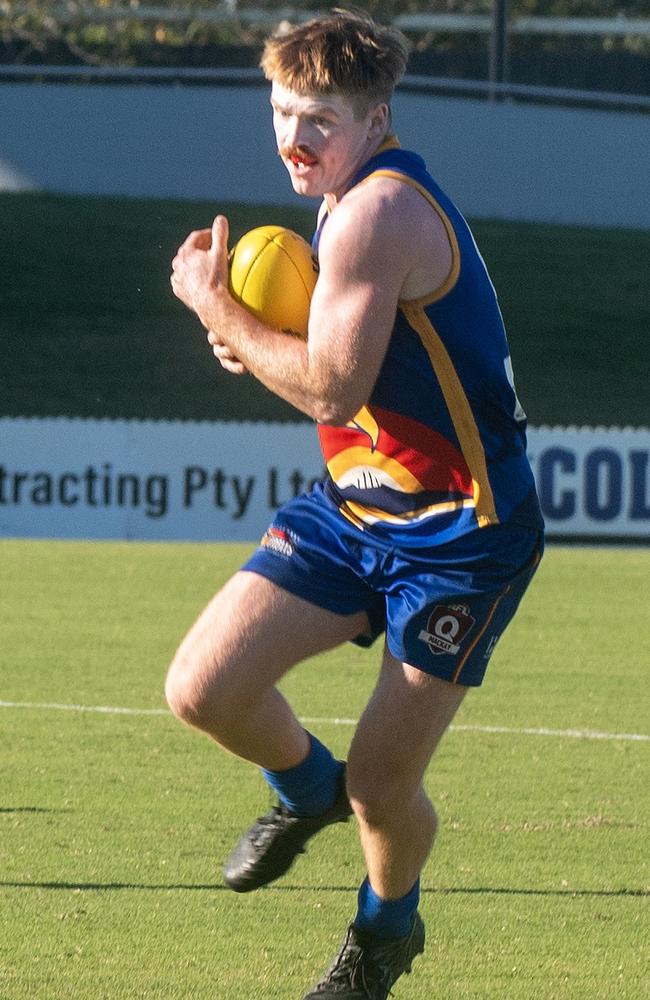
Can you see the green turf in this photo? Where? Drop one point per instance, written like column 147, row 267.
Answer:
column 90, row 328
column 113, row 825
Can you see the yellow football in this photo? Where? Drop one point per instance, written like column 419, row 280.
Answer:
column 273, row 273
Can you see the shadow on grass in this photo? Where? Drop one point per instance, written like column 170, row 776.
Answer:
column 449, row 891
column 30, row 809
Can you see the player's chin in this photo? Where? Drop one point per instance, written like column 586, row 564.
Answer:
column 231, row 365
column 309, row 190
column 305, row 181
column 300, row 187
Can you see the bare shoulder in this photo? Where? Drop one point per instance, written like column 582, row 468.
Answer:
column 390, row 224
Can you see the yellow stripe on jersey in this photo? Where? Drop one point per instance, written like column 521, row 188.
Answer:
column 371, row 515
column 452, row 277
column 365, row 421
column 357, row 460
column 459, row 410
column 455, row 398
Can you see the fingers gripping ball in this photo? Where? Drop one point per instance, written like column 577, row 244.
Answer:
column 273, row 273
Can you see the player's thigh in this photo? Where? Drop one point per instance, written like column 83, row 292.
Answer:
column 253, row 631
column 405, row 719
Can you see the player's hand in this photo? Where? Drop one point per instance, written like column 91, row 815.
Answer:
column 201, row 265
column 225, row 356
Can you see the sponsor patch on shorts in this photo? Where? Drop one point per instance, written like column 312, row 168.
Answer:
column 447, row 628
column 279, row 541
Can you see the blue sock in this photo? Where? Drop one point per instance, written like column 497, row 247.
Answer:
column 386, row 918
column 310, row 788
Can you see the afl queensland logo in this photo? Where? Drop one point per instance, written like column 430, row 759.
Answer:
column 447, row 627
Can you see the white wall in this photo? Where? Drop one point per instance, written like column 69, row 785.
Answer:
column 72, row 478
column 510, row 161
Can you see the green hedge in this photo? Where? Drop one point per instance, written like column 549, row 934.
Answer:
column 37, row 32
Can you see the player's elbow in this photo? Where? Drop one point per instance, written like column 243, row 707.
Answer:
column 338, row 387
column 336, row 399
column 333, row 411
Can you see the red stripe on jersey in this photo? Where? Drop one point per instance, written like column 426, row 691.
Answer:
column 427, row 455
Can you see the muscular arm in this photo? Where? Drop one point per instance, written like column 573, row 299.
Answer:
column 368, row 255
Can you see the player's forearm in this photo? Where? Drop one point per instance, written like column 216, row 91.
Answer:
column 283, row 363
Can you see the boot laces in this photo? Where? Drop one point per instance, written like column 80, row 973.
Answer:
column 352, row 967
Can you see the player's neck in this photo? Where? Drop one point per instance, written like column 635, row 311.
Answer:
column 388, row 141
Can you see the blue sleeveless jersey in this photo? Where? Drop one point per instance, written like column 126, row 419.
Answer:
column 440, row 448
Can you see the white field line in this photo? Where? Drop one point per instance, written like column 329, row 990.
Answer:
column 580, row 734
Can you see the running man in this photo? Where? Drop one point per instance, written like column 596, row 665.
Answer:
column 427, row 526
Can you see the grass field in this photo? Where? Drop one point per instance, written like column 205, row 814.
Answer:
column 90, row 327
column 114, row 823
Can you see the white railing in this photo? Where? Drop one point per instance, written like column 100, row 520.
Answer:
column 224, row 13
column 483, row 23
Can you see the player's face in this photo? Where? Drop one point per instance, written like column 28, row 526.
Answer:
column 321, row 142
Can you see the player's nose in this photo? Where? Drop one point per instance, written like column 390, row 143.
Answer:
column 295, row 131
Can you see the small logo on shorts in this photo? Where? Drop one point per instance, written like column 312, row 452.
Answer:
column 279, row 541
column 490, row 646
column 448, row 626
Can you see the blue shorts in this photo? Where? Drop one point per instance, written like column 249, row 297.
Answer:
column 443, row 608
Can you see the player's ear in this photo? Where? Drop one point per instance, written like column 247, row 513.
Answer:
column 378, row 120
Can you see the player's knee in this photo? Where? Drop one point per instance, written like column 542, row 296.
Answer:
column 200, row 691
column 380, row 800
column 371, row 797
column 188, row 695
column 181, row 695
